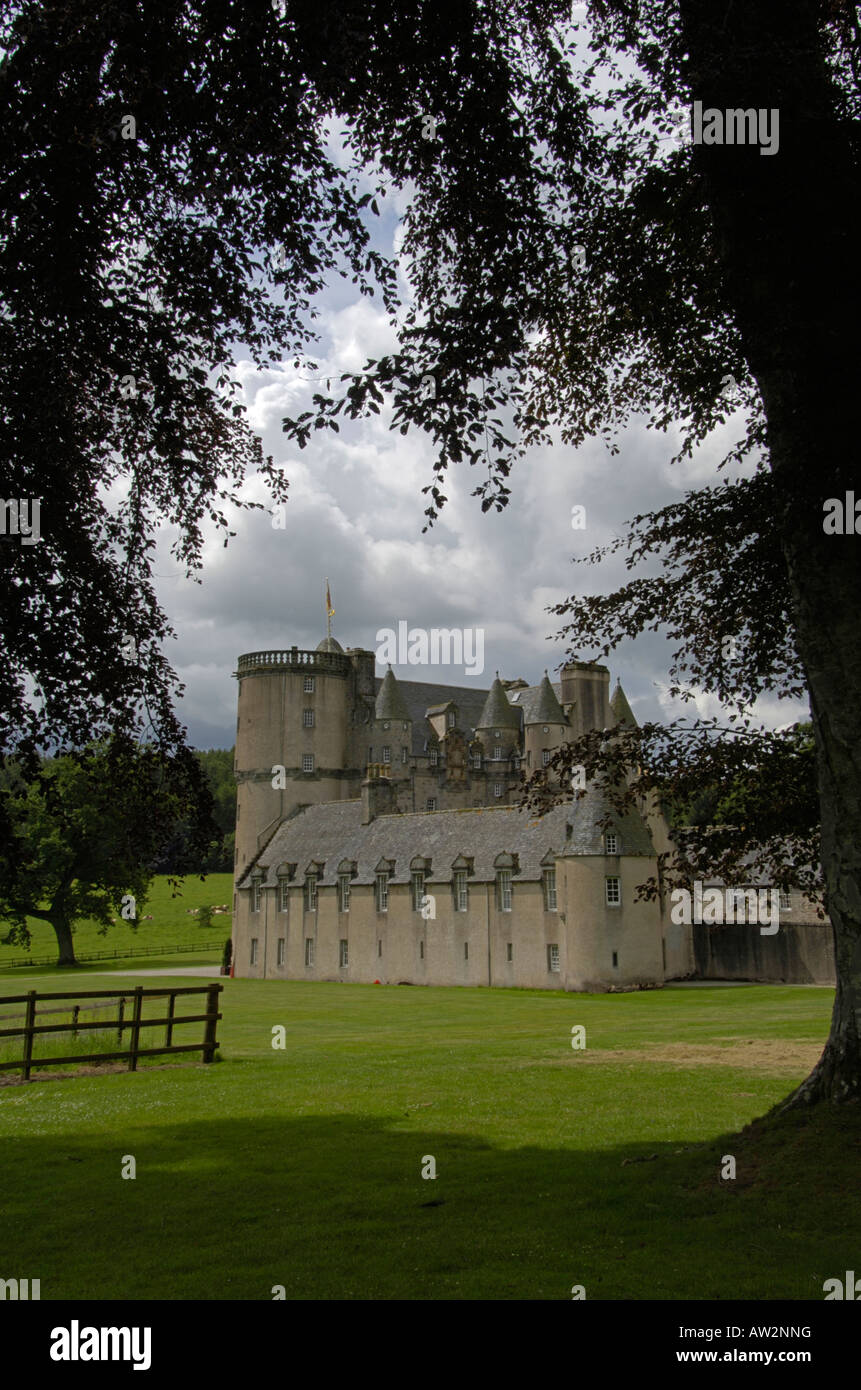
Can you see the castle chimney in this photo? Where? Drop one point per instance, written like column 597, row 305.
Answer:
column 586, row 688
column 376, row 793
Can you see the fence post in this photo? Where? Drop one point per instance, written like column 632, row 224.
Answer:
column 120, row 1016
column 170, row 1012
column 76, row 1013
column 29, row 1024
column 209, row 1039
column 136, row 1029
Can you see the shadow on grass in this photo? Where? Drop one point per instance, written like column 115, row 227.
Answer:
column 335, row 1207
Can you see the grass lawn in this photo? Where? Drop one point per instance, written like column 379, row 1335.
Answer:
column 171, row 924
column 555, row 1167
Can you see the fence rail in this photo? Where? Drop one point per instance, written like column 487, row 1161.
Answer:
column 137, row 1022
column 217, row 944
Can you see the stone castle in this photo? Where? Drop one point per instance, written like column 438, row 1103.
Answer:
column 378, row 837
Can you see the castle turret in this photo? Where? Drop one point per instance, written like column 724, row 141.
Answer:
column 545, row 726
column 621, row 709
column 391, row 740
column 498, row 728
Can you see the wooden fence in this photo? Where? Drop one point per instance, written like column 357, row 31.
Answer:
column 132, row 1026
column 193, row 948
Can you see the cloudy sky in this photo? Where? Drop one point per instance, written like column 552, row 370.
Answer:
column 356, row 513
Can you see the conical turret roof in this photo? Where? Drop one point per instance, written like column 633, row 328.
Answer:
column 620, row 707
column 547, row 709
column 497, row 712
column 390, row 702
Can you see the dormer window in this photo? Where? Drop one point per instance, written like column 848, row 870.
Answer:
column 611, row 841
column 451, row 718
column 433, row 755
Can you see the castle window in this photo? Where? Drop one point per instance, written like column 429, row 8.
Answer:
column 343, row 954
column 476, row 761
column 466, row 950
column 256, row 894
column 404, row 754
column 282, row 945
column 430, row 804
column 387, row 753
column 545, row 757
column 309, row 685
column 615, row 960
column 308, row 718
column 548, row 878
column 785, row 902
column 461, row 891
column 309, row 951
column 613, row 891
column 497, row 734
column 433, row 755
column 503, row 889
column 283, row 895
column 310, row 892
column 612, row 843
column 370, row 754
column 497, row 789
column 546, row 729
column 379, row 948
column 343, row 893
column 451, row 718
column 382, row 892
column 509, row 950
column 498, row 753
column 421, row 950
column 418, row 887
column 307, row 762
column 553, row 958
column 253, row 959
column 387, row 725
column 406, row 726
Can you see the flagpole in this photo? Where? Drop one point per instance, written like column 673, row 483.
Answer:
column 328, row 614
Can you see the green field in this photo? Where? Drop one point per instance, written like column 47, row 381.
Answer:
column 171, row 925
column 555, row 1167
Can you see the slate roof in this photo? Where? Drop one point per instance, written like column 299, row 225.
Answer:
column 390, row 702
column 497, row 712
column 420, row 696
column 423, row 697
column 546, row 709
column 620, row 707
column 334, row 831
column 528, row 700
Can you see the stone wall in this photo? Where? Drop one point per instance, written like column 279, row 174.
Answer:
column 798, row 954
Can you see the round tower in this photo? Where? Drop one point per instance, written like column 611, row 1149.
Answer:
column 498, row 728
column 545, row 727
column 291, row 737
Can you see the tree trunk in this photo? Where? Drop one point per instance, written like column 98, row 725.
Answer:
column 786, row 246
column 63, row 932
